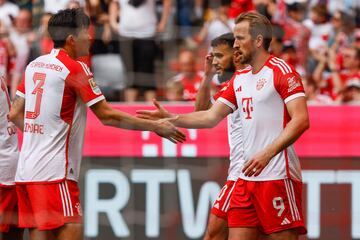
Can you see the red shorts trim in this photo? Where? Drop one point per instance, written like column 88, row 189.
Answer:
column 49, row 206
column 222, row 203
column 272, row 206
column 8, row 208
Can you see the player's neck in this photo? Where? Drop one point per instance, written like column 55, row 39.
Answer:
column 259, row 60
column 69, row 51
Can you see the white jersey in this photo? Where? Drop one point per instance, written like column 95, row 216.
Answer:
column 261, row 99
column 8, row 139
column 235, row 138
column 57, row 90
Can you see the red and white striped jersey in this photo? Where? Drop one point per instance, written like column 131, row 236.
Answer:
column 260, row 98
column 8, row 139
column 57, row 90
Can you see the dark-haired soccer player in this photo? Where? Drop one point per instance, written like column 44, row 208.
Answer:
column 271, row 103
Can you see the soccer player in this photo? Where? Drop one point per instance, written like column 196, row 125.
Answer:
column 272, row 106
column 8, row 161
column 53, row 95
column 222, row 59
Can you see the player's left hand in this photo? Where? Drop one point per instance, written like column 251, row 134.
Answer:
column 256, row 164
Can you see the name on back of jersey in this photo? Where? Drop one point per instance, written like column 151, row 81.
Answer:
column 50, row 66
column 34, row 128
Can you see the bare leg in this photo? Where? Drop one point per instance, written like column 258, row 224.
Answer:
column 217, row 229
column 243, row 233
column 13, row 234
column 70, row 231
column 36, row 234
column 290, row 234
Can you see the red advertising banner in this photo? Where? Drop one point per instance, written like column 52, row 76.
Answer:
column 334, row 131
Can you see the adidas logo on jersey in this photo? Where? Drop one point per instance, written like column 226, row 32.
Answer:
column 285, row 221
column 239, row 89
column 217, row 206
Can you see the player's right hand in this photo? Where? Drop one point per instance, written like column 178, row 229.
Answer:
column 208, row 67
column 167, row 130
column 156, row 114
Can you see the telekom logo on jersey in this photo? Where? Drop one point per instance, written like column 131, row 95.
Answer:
column 248, row 107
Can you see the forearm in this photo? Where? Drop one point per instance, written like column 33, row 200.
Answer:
column 113, row 15
column 16, row 114
column 166, row 11
column 288, row 136
column 203, row 96
column 19, row 121
column 318, row 72
column 126, row 121
column 204, row 119
column 196, row 120
column 336, row 81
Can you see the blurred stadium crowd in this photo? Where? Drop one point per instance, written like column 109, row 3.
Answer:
column 142, row 49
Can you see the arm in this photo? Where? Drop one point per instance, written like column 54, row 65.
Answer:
column 114, row 10
column 202, row 101
column 200, row 119
column 165, row 15
column 111, row 117
column 299, row 122
column 16, row 114
column 203, row 119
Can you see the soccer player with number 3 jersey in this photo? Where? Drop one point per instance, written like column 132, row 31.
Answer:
column 270, row 99
column 50, row 108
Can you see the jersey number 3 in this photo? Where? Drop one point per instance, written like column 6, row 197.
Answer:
column 38, row 91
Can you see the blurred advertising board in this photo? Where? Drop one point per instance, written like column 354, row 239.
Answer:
column 136, row 185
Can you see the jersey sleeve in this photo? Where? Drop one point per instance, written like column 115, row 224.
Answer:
column 81, row 80
column 289, row 86
column 21, row 88
column 227, row 95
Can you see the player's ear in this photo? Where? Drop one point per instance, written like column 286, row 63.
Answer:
column 259, row 41
column 70, row 40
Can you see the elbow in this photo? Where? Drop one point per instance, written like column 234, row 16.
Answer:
column 212, row 122
column 105, row 120
column 305, row 125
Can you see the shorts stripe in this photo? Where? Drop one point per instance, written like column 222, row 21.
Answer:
column 62, row 200
column 227, row 201
column 292, row 193
column 66, row 200
column 68, row 194
column 289, row 198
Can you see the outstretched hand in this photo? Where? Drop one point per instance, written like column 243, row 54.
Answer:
column 156, row 114
column 169, row 131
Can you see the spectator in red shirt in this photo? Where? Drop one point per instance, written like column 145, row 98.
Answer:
column 188, row 75
column 338, row 79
